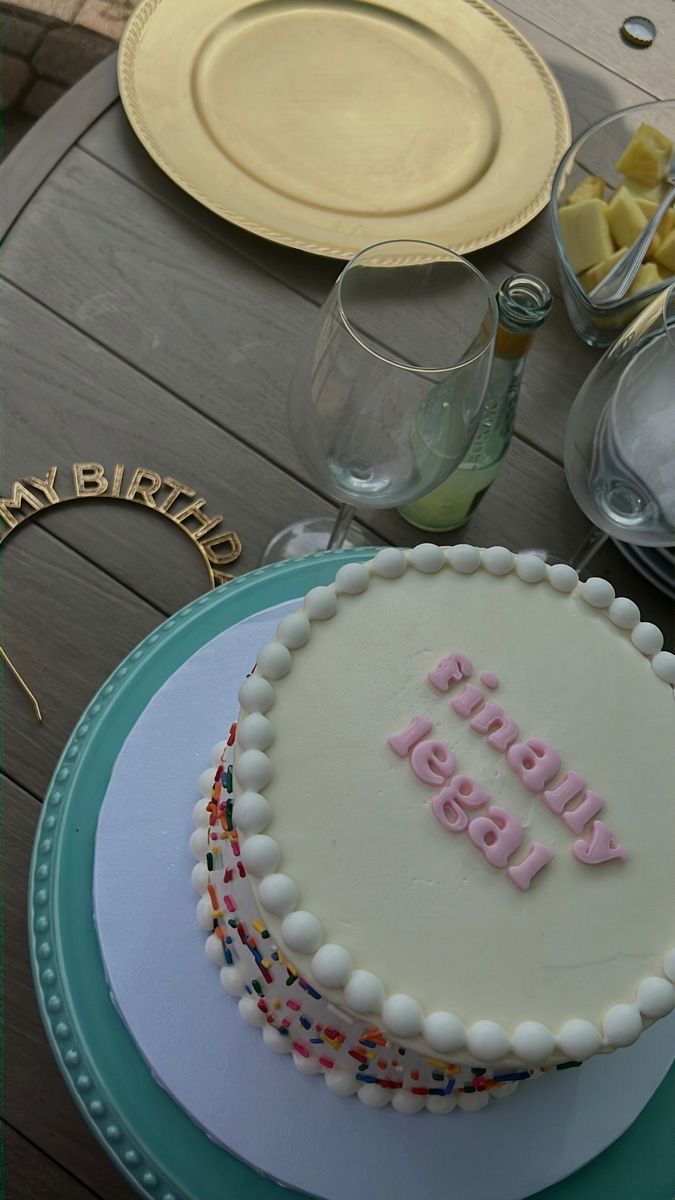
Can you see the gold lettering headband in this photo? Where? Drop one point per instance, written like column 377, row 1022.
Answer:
column 34, row 494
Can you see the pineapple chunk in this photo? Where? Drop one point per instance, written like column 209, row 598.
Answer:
column 667, row 221
column 649, row 207
column 665, row 272
column 643, row 191
column 665, row 254
column 585, row 233
column 590, row 188
column 626, row 218
column 592, row 277
column 647, row 155
column 648, row 276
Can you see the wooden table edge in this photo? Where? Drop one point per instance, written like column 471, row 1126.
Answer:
column 34, row 158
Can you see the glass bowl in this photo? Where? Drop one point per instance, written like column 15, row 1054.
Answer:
column 595, row 152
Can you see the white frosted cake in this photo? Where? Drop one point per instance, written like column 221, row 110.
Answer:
column 437, row 855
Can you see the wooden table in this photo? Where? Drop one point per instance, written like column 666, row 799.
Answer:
column 139, row 328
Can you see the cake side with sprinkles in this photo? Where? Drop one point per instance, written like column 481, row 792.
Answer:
column 354, row 1056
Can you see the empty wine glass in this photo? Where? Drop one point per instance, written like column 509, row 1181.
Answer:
column 620, row 438
column 389, row 385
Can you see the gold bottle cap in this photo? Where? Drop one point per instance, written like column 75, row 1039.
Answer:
column 638, row 31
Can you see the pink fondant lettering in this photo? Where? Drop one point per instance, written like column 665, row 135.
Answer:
column 492, row 719
column 402, row 743
column 489, row 679
column 450, row 670
column 498, row 835
column 590, row 806
column 535, row 860
column 534, row 763
column 572, row 785
column 449, row 805
column 432, row 762
column 467, row 792
column 448, row 812
column 469, row 698
column 601, row 846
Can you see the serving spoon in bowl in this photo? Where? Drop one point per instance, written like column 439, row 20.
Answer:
column 617, row 281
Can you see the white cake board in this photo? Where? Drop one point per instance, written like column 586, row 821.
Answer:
column 256, row 1103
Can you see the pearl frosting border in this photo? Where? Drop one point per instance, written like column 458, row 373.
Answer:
column 532, row 1042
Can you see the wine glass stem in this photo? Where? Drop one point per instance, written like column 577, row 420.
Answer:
column 583, row 554
column 344, row 519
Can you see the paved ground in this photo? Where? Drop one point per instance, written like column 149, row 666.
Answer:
column 47, row 45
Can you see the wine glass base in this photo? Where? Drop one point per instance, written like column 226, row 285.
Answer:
column 309, row 537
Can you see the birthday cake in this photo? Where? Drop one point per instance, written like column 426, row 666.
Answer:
column 435, row 857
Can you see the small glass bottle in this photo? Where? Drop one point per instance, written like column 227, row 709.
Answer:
column 524, row 302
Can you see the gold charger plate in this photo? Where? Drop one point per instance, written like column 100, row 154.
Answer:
column 332, row 124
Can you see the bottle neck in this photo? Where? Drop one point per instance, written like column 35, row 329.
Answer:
column 523, row 302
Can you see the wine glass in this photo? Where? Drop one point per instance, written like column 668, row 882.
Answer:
column 620, row 437
column 389, row 385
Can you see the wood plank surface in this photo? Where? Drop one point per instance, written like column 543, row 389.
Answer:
column 32, row 1174
column 103, row 410
column 220, row 332
column 559, row 360
column 41, row 148
column 592, row 91
column 189, row 311
column 66, row 626
column 113, row 142
column 557, row 364
column 42, row 1116
column 202, row 347
column 593, row 29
